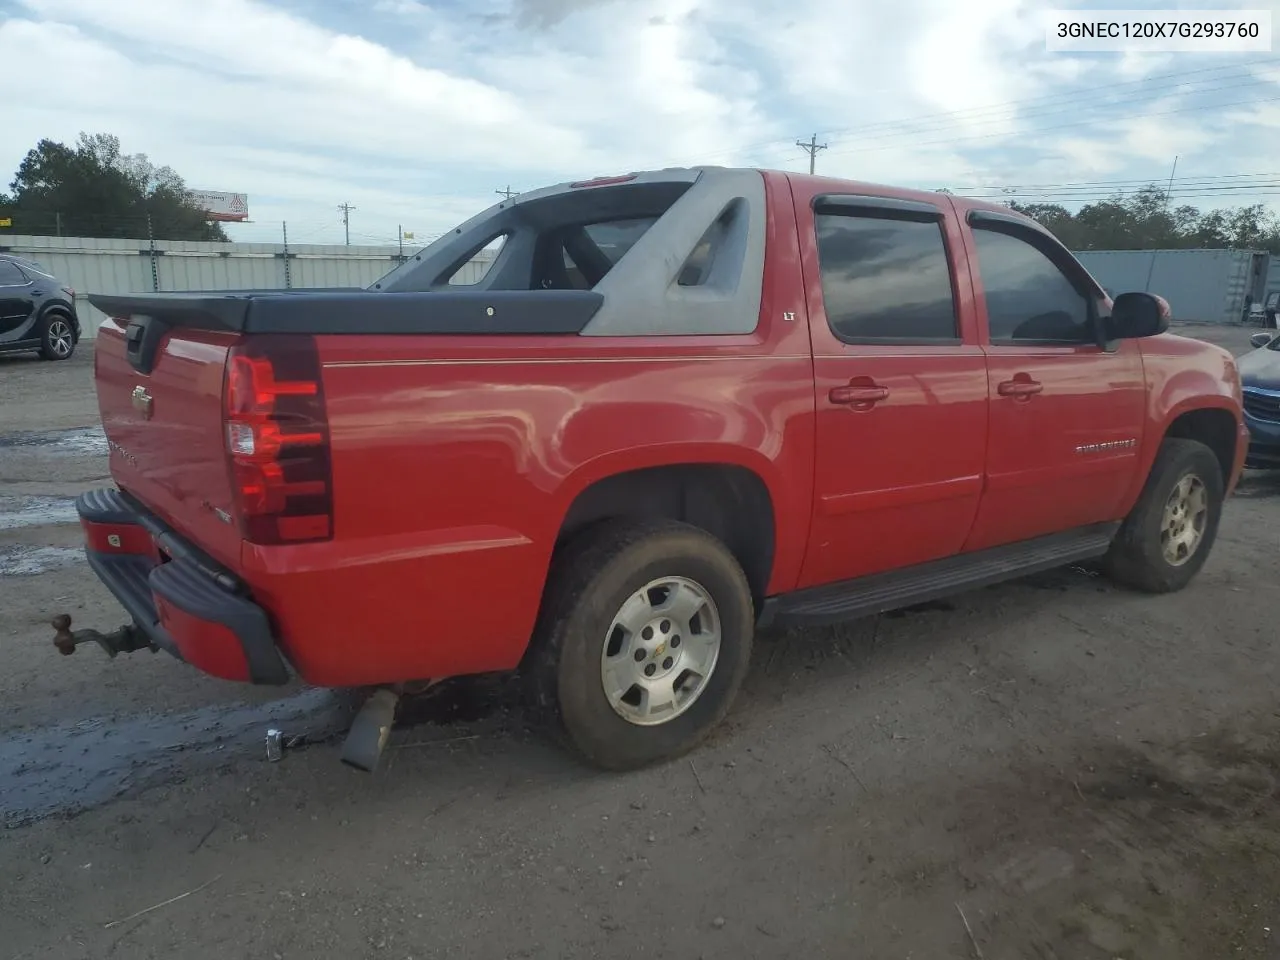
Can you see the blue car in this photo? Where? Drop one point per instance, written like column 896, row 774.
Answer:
column 1260, row 377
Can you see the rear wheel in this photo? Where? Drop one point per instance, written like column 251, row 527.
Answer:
column 1166, row 539
column 644, row 639
column 57, row 339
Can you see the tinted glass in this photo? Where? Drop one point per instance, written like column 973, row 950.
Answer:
column 10, row 274
column 1028, row 297
column 885, row 279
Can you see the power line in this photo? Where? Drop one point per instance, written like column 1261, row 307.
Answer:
column 1072, row 99
column 992, row 193
column 1060, row 126
column 811, row 148
column 894, row 138
column 1140, row 181
column 1073, row 109
column 346, row 209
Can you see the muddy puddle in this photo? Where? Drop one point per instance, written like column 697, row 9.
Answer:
column 81, row 441
column 16, row 512
column 29, row 561
column 68, row 768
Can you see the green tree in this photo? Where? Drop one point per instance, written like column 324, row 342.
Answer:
column 1143, row 221
column 1056, row 218
column 95, row 190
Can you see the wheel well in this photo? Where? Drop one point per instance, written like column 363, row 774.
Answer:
column 1216, row 429
column 729, row 502
column 60, row 310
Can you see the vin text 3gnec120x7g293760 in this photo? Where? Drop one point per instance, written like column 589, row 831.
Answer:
column 676, row 407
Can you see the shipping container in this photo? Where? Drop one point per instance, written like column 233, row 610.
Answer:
column 1202, row 286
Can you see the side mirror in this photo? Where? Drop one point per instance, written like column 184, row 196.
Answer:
column 1260, row 340
column 1135, row 315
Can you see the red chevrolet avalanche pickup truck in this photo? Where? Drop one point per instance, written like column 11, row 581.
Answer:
column 676, row 407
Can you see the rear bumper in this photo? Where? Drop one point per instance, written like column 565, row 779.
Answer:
column 183, row 602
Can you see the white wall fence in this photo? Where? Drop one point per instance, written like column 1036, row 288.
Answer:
column 133, row 266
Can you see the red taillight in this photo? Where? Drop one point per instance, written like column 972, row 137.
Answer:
column 277, row 437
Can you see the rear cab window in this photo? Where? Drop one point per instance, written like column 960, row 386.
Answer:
column 568, row 240
column 674, row 252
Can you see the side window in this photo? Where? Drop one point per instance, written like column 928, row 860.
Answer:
column 885, row 279
column 10, row 275
column 1028, row 298
column 475, row 269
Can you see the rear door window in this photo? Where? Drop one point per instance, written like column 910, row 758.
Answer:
column 885, row 279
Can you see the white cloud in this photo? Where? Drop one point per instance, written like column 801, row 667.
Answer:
column 415, row 111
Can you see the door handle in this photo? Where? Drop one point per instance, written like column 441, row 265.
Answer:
column 859, row 394
column 1020, row 388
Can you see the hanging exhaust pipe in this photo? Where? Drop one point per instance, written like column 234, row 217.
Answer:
column 370, row 730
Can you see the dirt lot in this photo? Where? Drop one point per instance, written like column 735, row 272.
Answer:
column 1081, row 771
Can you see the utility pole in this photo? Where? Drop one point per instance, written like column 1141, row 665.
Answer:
column 1151, row 268
column 508, row 192
column 346, row 209
column 288, row 277
column 811, row 148
column 400, row 241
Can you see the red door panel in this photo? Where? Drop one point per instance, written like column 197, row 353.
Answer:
column 900, row 382
column 1066, row 415
column 898, row 481
column 1064, row 456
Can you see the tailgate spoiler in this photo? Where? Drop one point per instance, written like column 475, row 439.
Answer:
column 348, row 310
column 225, row 311
column 199, row 310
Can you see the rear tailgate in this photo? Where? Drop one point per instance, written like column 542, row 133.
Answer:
column 160, row 366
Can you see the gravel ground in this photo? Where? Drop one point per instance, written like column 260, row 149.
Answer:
column 1065, row 769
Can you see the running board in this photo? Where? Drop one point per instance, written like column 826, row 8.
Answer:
column 882, row 592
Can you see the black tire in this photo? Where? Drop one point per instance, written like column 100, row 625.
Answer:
column 1137, row 558
column 590, row 580
column 57, row 337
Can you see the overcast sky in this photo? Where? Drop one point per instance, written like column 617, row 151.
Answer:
column 415, row 111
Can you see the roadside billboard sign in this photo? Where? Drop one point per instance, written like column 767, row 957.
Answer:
column 225, row 207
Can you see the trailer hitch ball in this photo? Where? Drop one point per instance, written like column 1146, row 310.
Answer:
column 62, row 637
column 125, row 639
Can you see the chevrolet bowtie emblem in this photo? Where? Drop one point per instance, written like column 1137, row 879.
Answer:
column 142, row 401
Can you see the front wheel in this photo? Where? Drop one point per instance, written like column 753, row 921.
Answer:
column 57, row 339
column 644, row 639
column 1166, row 539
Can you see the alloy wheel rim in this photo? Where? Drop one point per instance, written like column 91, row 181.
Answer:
column 60, row 338
column 1182, row 525
column 660, row 651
